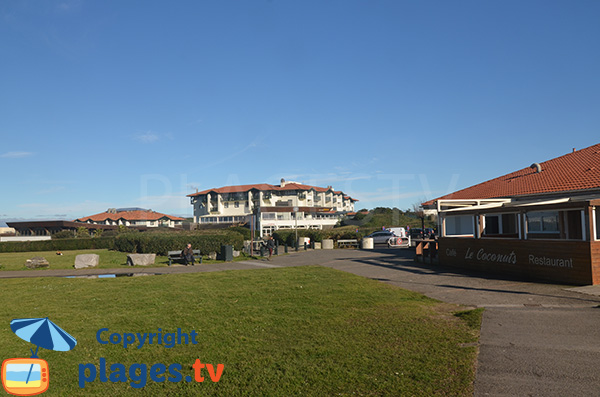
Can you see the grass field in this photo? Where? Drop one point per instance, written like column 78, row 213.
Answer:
column 277, row 332
column 108, row 259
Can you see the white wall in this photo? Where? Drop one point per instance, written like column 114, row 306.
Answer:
column 25, row 238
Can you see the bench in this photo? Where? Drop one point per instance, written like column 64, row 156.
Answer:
column 176, row 256
column 352, row 243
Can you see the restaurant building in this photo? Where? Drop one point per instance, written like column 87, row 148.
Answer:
column 541, row 222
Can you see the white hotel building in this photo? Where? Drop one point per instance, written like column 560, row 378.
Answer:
column 286, row 206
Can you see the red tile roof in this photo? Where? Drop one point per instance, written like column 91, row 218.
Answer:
column 137, row 215
column 267, row 187
column 576, row 171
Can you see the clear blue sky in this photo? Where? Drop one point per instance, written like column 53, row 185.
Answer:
column 122, row 103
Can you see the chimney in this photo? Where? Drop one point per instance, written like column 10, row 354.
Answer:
column 537, row 167
column 282, row 182
column 574, row 150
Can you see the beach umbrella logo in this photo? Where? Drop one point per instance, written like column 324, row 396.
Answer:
column 29, row 376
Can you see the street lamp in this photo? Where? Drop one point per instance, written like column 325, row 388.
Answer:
column 296, row 219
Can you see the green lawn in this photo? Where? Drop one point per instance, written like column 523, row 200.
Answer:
column 108, row 259
column 277, row 332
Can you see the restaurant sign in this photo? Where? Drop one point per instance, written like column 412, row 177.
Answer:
column 499, row 256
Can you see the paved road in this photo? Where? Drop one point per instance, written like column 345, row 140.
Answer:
column 536, row 339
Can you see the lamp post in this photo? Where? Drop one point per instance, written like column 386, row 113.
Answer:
column 296, row 219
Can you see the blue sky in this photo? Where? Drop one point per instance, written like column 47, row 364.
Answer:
column 122, row 103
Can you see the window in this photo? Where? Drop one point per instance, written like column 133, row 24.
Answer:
column 492, row 225
column 268, row 215
column 573, row 229
column 461, row 225
column 226, row 205
column 542, row 222
column 596, row 214
column 500, row 225
column 236, row 204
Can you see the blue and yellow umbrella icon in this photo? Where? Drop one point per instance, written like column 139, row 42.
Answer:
column 42, row 332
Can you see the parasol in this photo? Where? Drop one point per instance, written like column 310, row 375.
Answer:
column 42, row 332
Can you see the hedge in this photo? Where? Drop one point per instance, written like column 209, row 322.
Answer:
column 161, row 243
column 58, row 245
column 288, row 236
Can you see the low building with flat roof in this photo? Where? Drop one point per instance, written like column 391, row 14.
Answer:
column 134, row 218
column 540, row 222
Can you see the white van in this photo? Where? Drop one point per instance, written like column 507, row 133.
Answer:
column 398, row 231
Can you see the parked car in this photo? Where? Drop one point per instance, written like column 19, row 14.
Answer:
column 381, row 237
column 429, row 233
column 415, row 233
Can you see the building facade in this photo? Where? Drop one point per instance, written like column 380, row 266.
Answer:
column 289, row 205
column 43, row 230
column 541, row 222
column 133, row 217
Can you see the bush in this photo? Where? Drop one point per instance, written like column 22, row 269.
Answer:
column 58, row 245
column 62, row 234
column 83, row 232
column 244, row 231
column 288, row 236
column 161, row 243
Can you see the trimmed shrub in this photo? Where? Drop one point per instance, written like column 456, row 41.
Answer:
column 58, row 245
column 161, row 243
column 288, row 236
column 244, row 231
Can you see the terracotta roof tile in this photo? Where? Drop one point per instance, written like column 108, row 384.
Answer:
column 138, row 215
column 579, row 170
column 265, row 187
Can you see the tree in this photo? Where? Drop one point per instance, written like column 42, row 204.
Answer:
column 420, row 213
column 83, row 232
column 63, row 234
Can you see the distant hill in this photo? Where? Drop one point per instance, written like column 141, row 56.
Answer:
column 387, row 217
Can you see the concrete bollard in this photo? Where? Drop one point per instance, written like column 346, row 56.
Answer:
column 327, row 244
column 367, row 243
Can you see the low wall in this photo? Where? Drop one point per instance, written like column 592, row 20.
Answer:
column 25, row 238
column 568, row 262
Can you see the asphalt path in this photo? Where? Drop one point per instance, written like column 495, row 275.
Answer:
column 537, row 339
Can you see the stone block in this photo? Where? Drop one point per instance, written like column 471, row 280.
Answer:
column 37, row 262
column 141, row 259
column 327, row 244
column 86, row 260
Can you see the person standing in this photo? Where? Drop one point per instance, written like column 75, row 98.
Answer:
column 270, row 246
column 188, row 255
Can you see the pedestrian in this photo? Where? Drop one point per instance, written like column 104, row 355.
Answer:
column 188, row 255
column 270, row 246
